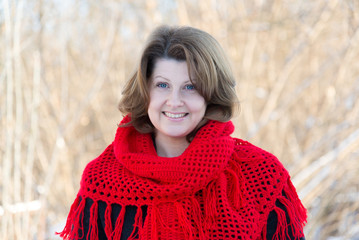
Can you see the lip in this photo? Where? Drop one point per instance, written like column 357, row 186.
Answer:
column 175, row 116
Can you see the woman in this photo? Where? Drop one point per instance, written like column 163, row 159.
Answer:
column 173, row 170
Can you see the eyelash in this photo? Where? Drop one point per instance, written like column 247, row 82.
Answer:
column 192, row 87
column 162, row 85
column 165, row 85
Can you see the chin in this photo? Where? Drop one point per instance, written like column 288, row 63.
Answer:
column 174, row 134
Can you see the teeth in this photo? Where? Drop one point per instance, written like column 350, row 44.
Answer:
column 172, row 115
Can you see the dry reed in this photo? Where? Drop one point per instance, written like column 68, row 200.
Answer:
column 63, row 64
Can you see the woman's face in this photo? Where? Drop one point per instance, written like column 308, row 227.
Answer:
column 175, row 107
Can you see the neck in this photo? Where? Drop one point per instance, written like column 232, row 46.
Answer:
column 170, row 147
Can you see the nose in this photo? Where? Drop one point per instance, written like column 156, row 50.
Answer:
column 174, row 99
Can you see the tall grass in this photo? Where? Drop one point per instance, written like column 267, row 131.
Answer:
column 63, row 64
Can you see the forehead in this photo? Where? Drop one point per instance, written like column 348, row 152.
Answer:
column 171, row 69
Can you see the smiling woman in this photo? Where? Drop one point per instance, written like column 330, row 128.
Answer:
column 207, row 67
column 175, row 108
column 173, row 170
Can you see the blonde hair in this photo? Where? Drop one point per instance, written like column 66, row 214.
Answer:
column 205, row 59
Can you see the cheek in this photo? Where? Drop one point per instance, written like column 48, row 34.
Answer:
column 154, row 101
column 198, row 105
column 152, row 108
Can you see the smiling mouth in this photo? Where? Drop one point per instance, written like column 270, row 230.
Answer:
column 175, row 115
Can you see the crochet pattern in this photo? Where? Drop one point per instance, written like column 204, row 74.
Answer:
column 219, row 188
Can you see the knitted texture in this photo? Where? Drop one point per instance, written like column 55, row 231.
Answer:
column 219, row 188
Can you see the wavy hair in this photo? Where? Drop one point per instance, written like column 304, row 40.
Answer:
column 205, row 58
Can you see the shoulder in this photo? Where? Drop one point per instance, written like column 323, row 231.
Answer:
column 266, row 181
column 250, row 155
column 102, row 160
column 263, row 173
column 99, row 167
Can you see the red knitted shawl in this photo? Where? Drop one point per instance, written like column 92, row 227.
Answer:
column 219, row 188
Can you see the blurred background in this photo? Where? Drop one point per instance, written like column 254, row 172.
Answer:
column 63, row 64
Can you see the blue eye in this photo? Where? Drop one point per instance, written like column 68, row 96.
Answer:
column 190, row 87
column 162, row 85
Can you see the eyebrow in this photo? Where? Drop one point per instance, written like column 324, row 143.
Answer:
column 189, row 80
column 159, row 76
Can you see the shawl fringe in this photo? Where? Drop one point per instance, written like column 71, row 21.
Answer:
column 210, row 206
column 185, row 225
column 74, row 222
column 119, row 224
column 296, row 216
column 137, row 225
column 296, row 213
column 108, row 227
column 155, row 216
column 74, row 228
column 93, row 228
column 235, row 184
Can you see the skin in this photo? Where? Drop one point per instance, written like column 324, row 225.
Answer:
column 175, row 107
